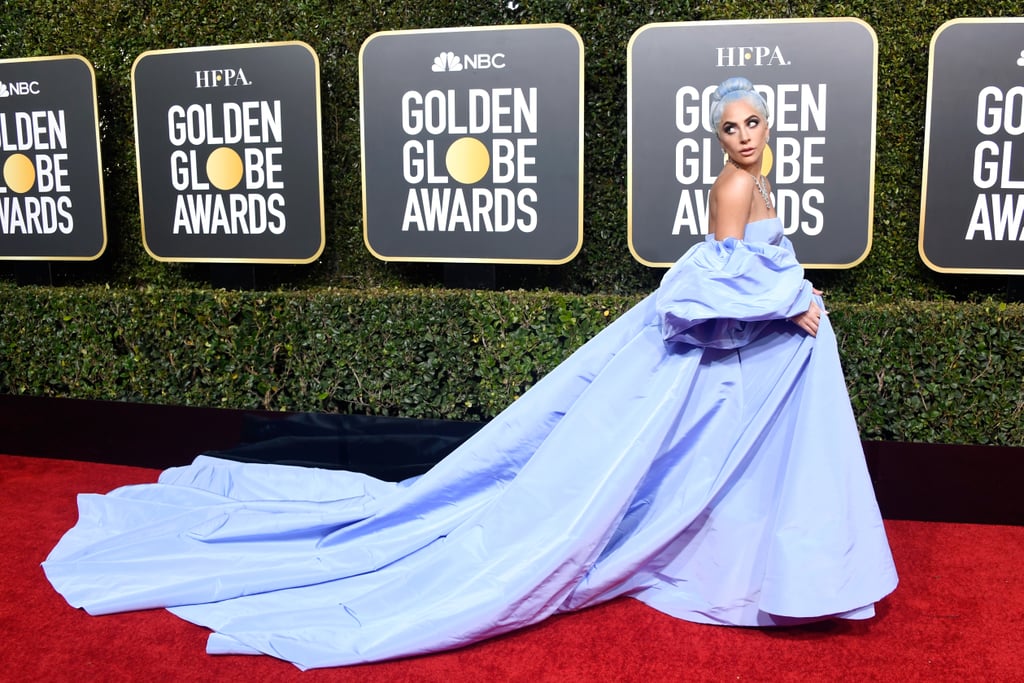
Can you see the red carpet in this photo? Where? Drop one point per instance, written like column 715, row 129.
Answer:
column 958, row 615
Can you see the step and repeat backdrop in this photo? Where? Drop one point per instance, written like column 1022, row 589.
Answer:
column 473, row 145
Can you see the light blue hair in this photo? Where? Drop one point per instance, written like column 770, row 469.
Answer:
column 733, row 90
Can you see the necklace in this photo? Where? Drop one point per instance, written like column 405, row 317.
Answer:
column 760, row 181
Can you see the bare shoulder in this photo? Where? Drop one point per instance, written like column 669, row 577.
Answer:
column 731, row 197
column 733, row 186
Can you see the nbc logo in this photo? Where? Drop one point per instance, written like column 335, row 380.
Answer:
column 19, row 88
column 447, row 61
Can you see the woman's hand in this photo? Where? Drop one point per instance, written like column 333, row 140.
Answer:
column 809, row 320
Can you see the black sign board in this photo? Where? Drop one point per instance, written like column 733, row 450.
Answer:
column 818, row 78
column 51, row 190
column 473, row 144
column 229, row 153
column 972, row 194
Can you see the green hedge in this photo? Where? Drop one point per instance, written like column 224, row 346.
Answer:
column 936, row 372
column 419, row 353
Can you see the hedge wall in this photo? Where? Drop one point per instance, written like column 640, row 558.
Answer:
column 937, row 372
column 929, row 357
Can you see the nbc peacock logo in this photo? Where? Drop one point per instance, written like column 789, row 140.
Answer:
column 446, row 61
column 12, row 88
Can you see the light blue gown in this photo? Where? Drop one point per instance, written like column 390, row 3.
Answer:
column 699, row 454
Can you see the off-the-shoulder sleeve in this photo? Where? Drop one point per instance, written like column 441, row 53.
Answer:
column 722, row 293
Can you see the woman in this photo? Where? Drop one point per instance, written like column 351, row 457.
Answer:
column 699, row 455
column 740, row 118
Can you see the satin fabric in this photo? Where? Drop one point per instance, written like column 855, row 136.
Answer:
column 699, row 454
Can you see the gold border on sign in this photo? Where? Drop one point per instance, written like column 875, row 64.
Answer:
column 927, row 147
column 811, row 20
column 99, row 160
column 362, row 146
column 319, row 151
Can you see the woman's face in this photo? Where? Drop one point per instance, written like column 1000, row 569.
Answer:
column 743, row 132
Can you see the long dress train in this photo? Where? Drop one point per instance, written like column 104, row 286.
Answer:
column 699, row 454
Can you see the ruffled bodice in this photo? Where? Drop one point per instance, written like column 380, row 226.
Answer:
column 720, row 293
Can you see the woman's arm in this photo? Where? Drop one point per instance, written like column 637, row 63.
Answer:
column 811, row 318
